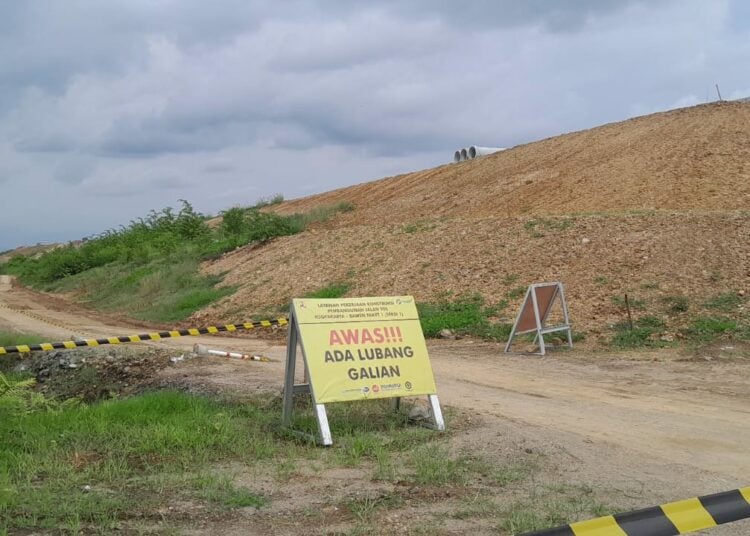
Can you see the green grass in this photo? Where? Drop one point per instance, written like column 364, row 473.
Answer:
column 8, row 338
column 536, row 227
column 134, row 456
column 641, row 336
column 150, row 268
column 517, row 292
column 275, row 199
column 331, row 291
column 116, row 461
column 707, row 329
column 550, row 506
column 160, row 291
column 726, row 302
column 467, row 315
column 419, row 226
column 434, row 466
column 636, row 304
column 323, row 214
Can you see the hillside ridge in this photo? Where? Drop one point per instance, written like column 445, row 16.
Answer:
column 654, row 206
column 686, row 159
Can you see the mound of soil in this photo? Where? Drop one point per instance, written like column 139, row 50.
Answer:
column 655, row 207
column 690, row 159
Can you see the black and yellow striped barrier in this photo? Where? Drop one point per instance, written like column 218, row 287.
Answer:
column 49, row 346
column 681, row 517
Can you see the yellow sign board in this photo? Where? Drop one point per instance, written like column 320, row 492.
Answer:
column 363, row 348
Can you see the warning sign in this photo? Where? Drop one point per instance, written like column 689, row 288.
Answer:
column 358, row 348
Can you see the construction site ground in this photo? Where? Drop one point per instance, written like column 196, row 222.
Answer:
column 655, row 207
column 641, row 428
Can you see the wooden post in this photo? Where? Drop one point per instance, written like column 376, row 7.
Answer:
column 627, row 307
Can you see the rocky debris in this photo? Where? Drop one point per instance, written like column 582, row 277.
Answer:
column 95, row 373
column 419, row 413
column 447, row 334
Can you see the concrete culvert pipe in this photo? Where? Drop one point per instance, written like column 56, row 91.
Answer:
column 475, row 151
column 464, row 154
column 457, row 156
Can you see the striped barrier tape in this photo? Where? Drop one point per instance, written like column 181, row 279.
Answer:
column 49, row 346
column 681, row 517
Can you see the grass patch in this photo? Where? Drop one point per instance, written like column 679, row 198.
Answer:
column 636, row 304
column 275, row 199
column 220, row 490
column 537, row 226
column 419, row 226
column 466, row 315
column 323, row 214
column 161, row 291
column 726, row 302
column 11, row 338
column 330, row 291
column 550, row 506
column 364, row 508
column 641, row 336
column 434, row 466
column 707, row 329
column 517, row 292
column 150, row 268
column 98, row 466
column 676, row 304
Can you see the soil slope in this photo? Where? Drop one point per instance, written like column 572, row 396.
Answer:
column 655, row 206
column 687, row 159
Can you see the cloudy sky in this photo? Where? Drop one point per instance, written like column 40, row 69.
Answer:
column 110, row 109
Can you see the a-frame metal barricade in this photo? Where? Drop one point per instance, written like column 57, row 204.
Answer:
column 532, row 318
column 291, row 388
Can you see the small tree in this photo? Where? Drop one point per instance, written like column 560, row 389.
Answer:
column 234, row 223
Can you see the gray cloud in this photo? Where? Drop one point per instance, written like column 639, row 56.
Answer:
column 552, row 15
column 136, row 103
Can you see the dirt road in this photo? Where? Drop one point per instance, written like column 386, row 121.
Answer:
column 653, row 426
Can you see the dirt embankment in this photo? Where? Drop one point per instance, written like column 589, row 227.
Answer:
column 653, row 257
column 655, row 206
column 691, row 159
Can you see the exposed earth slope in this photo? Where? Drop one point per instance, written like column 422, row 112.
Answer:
column 655, row 206
column 691, row 159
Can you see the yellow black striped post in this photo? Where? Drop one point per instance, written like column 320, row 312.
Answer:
column 681, row 517
column 49, row 346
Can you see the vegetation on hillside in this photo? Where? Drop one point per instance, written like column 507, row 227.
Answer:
column 149, row 268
